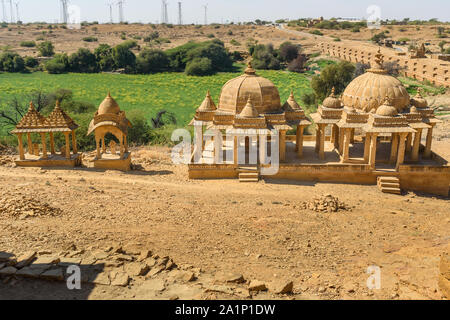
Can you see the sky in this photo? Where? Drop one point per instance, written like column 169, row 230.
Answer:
column 221, row 11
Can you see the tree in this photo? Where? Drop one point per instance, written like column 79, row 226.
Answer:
column 104, row 58
column 288, row 51
column 360, row 69
column 152, row 60
column 335, row 75
column 123, row 57
column 215, row 51
column 46, row 49
column 83, row 61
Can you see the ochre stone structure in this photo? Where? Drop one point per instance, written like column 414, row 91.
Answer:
column 370, row 135
column 110, row 119
column 417, row 65
column 34, row 123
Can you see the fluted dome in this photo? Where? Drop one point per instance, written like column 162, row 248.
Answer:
column 263, row 93
column 368, row 91
column 109, row 105
column 332, row 101
column 387, row 109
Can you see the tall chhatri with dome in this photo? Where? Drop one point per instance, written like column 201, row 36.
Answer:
column 374, row 133
column 109, row 119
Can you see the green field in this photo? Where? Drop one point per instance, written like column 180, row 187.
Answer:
column 173, row 92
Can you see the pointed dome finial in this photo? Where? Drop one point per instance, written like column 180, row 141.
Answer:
column 58, row 104
column 333, row 91
column 32, row 108
column 250, row 69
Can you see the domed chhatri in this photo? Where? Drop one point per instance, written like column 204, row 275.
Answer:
column 332, row 101
column 109, row 106
column 110, row 119
column 368, row 91
column 263, row 92
column 248, row 104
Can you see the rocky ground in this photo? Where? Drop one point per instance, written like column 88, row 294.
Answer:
column 153, row 234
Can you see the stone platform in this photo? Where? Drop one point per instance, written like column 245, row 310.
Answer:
column 53, row 160
column 113, row 162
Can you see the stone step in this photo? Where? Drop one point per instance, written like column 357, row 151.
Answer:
column 248, row 180
column 389, row 179
column 389, row 185
column 249, row 174
column 391, row 190
column 248, row 169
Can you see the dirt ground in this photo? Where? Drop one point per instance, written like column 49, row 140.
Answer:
column 260, row 231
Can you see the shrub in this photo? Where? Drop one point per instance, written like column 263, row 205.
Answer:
column 31, row 62
column 298, row 64
column 151, row 60
column 11, row 62
column 309, row 99
column 235, row 43
column 83, row 61
column 28, row 44
column 90, row 39
column 211, row 35
column 215, row 52
column 152, row 36
column 264, row 57
column 59, row 64
column 46, row 49
column 199, row 67
column 316, row 32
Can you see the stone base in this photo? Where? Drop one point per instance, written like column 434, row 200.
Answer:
column 109, row 163
column 52, row 161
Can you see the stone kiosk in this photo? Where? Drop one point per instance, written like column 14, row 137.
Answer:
column 110, row 119
column 249, row 112
column 38, row 155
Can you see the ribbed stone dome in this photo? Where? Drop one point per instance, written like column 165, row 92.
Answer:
column 109, row 105
column 369, row 90
column 236, row 92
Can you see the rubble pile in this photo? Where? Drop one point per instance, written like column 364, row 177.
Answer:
column 149, row 273
column 26, row 207
column 326, row 203
column 6, row 155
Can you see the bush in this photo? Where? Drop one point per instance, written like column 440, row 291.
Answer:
column 309, row 99
column 59, row 64
column 199, row 67
column 83, row 61
column 90, row 39
column 28, row 44
column 316, row 32
column 46, row 49
column 264, row 57
column 235, row 43
column 140, row 133
column 55, row 67
column 11, row 62
column 31, row 62
column 298, row 64
column 150, row 61
column 152, row 36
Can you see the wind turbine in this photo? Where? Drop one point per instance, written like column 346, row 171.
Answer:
column 206, row 13
column 17, row 11
column 110, row 5
column 120, row 5
column 4, row 10
column 11, row 10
